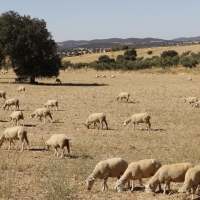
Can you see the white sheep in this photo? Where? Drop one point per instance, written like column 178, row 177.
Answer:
column 167, row 174
column 58, row 81
column 113, row 76
column 16, row 116
column 190, row 100
column 3, row 95
column 21, row 88
column 139, row 118
column 14, row 133
column 113, row 167
column 97, row 76
column 104, row 76
column 123, row 95
column 189, row 78
column 10, row 102
column 58, row 141
column 41, row 112
column 51, row 103
column 192, row 180
column 138, row 170
column 96, row 118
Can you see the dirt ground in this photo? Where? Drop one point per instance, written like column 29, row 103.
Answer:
column 38, row 174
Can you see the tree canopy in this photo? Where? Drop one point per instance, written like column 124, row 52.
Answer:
column 29, row 46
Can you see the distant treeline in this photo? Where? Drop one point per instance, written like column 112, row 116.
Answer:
column 130, row 61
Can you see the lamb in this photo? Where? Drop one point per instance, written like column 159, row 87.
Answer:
column 138, row 170
column 166, row 174
column 21, row 88
column 192, row 180
column 123, row 95
column 14, row 133
column 10, row 102
column 17, row 115
column 41, row 112
column 51, row 103
column 190, row 100
column 3, row 95
column 58, row 81
column 104, row 76
column 139, row 118
column 97, row 76
column 112, row 167
column 96, row 118
column 58, row 141
column 113, row 76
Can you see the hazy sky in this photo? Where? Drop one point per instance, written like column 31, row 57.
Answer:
column 103, row 19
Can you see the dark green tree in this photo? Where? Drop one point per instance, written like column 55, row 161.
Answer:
column 29, row 46
column 169, row 53
column 115, row 48
column 130, row 54
column 124, row 47
column 149, row 52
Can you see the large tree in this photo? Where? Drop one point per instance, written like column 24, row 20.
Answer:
column 29, row 46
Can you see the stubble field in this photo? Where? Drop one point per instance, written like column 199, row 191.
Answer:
column 38, row 174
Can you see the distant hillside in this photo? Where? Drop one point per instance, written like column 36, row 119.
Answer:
column 106, row 43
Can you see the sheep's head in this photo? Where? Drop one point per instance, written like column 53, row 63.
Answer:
column 47, row 146
column 32, row 115
column 196, row 105
column 119, row 186
column 86, row 124
column 90, row 182
column 125, row 123
column 4, row 106
column 150, row 188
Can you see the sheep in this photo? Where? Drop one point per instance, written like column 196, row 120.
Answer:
column 113, row 76
column 58, row 81
column 139, row 118
column 17, row 115
column 51, row 103
column 3, row 95
column 14, row 133
column 96, row 118
column 10, row 102
column 112, row 167
column 104, row 76
column 123, row 95
column 21, row 88
column 138, row 170
column 97, row 76
column 166, row 174
column 58, row 141
column 41, row 112
column 190, row 100
column 192, row 180
column 189, row 78
column 197, row 103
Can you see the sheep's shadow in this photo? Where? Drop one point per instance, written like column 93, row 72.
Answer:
column 138, row 189
column 37, row 149
column 57, row 122
column 78, row 156
column 30, row 125
column 4, row 121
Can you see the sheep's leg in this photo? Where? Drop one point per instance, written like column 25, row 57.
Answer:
column 22, row 146
column 149, row 126
column 159, row 186
column 106, row 124
column 164, row 190
column 62, row 154
column 105, row 186
column 132, row 185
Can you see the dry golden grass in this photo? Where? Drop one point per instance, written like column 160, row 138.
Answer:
column 38, row 174
column 141, row 52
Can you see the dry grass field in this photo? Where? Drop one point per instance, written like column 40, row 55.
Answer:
column 141, row 52
column 38, row 174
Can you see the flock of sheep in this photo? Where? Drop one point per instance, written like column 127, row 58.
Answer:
column 113, row 167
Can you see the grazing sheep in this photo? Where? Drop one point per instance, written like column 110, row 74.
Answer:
column 113, row 167
column 166, row 174
column 58, row 141
column 190, row 100
column 123, row 95
column 104, row 76
column 113, row 76
column 138, row 170
column 51, row 103
column 10, row 102
column 58, row 81
column 97, row 76
column 139, row 118
column 3, row 95
column 14, row 133
column 96, row 118
column 21, row 88
column 189, row 78
column 41, row 112
column 192, row 180
column 17, row 115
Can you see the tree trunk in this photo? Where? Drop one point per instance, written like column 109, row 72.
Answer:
column 32, row 79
